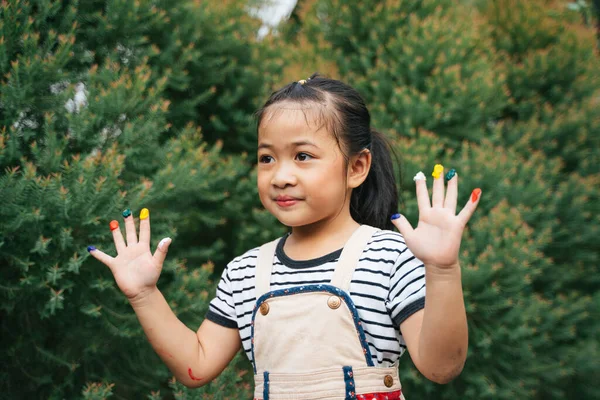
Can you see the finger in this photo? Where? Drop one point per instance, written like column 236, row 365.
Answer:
column 101, row 256
column 470, row 207
column 451, row 191
column 404, row 227
column 161, row 251
column 129, row 227
column 422, row 193
column 145, row 226
column 437, row 197
column 117, row 236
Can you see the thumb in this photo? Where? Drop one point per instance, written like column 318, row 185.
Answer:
column 400, row 222
column 161, row 250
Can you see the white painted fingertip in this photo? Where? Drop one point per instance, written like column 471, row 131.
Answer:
column 420, row 176
column 164, row 243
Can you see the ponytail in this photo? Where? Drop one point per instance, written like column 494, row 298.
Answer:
column 376, row 199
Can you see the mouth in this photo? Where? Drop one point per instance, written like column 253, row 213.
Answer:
column 286, row 201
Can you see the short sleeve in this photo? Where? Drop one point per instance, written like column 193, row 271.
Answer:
column 221, row 309
column 407, row 287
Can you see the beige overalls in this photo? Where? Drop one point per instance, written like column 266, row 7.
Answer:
column 308, row 342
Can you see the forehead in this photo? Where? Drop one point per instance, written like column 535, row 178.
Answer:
column 286, row 121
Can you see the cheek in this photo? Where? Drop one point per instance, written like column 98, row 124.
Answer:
column 331, row 177
column 327, row 186
column 263, row 184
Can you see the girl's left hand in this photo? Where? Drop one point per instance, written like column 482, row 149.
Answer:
column 436, row 240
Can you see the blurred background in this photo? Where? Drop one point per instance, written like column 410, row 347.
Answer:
column 111, row 104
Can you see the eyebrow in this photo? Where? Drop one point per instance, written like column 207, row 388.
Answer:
column 293, row 144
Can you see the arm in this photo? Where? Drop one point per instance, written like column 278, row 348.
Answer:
column 437, row 336
column 195, row 358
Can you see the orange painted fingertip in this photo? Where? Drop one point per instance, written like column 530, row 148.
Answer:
column 113, row 225
column 475, row 195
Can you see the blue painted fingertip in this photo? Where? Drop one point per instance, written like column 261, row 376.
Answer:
column 450, row 174
column 395, row 216
column 91, row 248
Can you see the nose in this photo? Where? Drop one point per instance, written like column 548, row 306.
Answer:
column 284, row 175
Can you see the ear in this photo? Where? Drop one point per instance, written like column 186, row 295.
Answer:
column 358, row 169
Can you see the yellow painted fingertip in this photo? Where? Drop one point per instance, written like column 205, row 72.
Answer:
column 144, row 213
column 437, row 171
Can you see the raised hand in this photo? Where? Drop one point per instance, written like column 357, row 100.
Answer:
column 436, row 240
column 135, row 269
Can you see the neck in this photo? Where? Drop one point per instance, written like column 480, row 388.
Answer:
column 332, row 232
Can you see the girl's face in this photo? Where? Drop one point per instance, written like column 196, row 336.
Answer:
column 301, row 169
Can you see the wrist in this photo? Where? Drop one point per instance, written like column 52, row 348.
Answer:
column 446, row 271
column 142, row 298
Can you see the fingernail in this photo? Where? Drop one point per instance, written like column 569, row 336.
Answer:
column 475, row 195
column 420, row 176
column 113, row 225
column 437, row 171
column 126, row 213
column 164, row 242
column 395, row 216
column 144, row 213
column 91, row 248
column 450, row 174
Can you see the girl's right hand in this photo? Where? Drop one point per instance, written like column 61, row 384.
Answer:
column 135, row 269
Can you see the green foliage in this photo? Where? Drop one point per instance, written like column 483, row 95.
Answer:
column 214, row 70
column 553, row 82
column 419, row 65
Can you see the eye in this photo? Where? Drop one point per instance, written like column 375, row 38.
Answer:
column 303, row 157
column 265, row 159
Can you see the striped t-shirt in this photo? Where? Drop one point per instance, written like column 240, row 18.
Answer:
column 387, row 287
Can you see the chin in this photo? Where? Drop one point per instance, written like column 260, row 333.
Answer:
column 295, row 221
column 291, row 222
column 293, row 218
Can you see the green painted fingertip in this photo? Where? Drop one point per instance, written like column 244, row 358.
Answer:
column 126, row 213
column 450, row 174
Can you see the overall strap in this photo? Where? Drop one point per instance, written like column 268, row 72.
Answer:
column 350, row 255
column 264, row 265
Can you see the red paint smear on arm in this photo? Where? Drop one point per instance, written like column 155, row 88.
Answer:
column 192, row 375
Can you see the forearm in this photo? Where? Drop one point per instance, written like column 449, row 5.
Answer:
column 176, row 344
column 443, row 338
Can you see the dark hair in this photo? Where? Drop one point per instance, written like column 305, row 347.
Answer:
column 345, row 114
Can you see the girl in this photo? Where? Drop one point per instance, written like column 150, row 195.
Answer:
column 326, row 311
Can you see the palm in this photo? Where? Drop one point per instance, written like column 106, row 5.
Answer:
column 135, row 270
column 436, row 227
column 436, row 240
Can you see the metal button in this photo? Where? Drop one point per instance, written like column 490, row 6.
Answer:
column 388, row 381
column 334, row 302
column 264, row 308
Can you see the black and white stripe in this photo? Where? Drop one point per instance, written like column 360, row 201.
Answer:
column 387, row 287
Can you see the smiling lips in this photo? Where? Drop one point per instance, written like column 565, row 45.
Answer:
column 286, row 201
